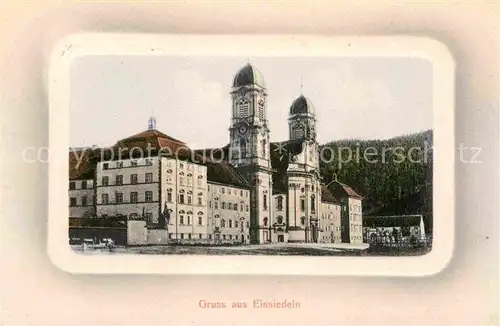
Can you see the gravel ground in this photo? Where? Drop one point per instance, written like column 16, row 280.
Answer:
column 268, row 249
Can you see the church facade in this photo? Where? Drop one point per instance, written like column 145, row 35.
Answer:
column 250, row 191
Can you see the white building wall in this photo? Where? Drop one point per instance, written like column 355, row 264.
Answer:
column 81, row 198
column 226, row 224
column 187, row 185
column 330, row 223
column 355, row 221
column 126, row 169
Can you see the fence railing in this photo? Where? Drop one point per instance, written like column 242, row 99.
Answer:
column 403, row 242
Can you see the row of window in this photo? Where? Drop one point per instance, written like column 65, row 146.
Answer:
column 85, row 184
column 186, row 166
column 228, row 206
column 355, row 208
column 120, row 164
column 187, row 181
column 133, row 179
column 229, row 191
column 134, row 197
column 190, row 236
column 85, row 202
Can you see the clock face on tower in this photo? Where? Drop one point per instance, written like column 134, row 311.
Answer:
column 242, row 129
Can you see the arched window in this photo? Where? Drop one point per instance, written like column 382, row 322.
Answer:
column 243, row 147
column 265, row 221
column 261, row 109
column 280, row 203
column 243, row 106
column 298, row 131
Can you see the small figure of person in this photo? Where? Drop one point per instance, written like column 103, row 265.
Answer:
column 110, row 244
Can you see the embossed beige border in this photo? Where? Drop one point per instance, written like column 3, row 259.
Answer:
column 270, row 45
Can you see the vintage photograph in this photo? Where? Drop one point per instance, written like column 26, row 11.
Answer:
column 317, row 156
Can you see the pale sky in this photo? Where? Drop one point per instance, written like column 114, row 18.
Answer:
column 112, row 97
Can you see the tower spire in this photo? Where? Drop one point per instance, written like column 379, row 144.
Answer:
column 152, row 123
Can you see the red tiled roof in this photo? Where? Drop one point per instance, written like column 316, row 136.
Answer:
column 327, row 196
column 349, row 191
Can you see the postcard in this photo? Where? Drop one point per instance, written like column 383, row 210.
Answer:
column 251, row 155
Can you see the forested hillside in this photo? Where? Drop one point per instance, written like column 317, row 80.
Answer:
column 394, row 176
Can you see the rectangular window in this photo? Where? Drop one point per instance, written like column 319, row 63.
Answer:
column 241, row 193
column 105, row 181
column 169, row 197
column 181, row 219
column 229, row 191
column 72, row 185
column 313, row 204
column 72, row 201
column 190, row 181
column 84, row 184
column 224, row 236
column 230, row 223
column 209, row 237
column 170, row 235
column 182, row 181
column 223, row 190
column 182, row 235
column 210, row 204
column 105, row 166
column 208, row 187
column 181, row 199
column 149, row 196
column 216, row 205
column 190, row 199
column 200, row 236
column 149, row 177
column 302, row 205
column 149, row 217
column 133, row 179
column 265, row 202
column 149, row 161
column 189, row 236
column 133, row 163
column 119, row 180
column 119, row 197
column 119, row 164
column 247, row 208
column 189, row 220
column 181, row 165
column 200, row 201
column 105, row 198
column 133, row 197
column 200, row 183
column 84, row 201
column 200, row 220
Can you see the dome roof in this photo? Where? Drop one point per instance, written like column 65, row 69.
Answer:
column 248, row 75
column 302, row 105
